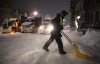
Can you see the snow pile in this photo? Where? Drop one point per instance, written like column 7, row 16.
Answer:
column 91, row 38
column 88, row 43
column 91, row 43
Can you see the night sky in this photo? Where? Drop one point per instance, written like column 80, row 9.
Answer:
column 43, row 6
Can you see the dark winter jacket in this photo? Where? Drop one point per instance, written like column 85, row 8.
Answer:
column 57, row 27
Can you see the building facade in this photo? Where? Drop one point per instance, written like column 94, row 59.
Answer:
column 86, row 13
column 5, row 9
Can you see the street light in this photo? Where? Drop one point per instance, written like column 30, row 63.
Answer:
column 78, row 17
column 35, row 13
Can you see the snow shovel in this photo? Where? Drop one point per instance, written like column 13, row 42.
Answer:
column 76, row 51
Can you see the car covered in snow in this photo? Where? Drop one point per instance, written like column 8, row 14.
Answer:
column 28, row 27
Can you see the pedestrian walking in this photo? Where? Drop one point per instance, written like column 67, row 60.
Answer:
column 57, row 23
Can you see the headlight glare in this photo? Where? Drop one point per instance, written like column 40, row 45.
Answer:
column 41, row 27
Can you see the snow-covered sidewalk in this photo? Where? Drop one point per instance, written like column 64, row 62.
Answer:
column 88, row 43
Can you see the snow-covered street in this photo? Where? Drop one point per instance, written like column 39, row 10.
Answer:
column 26, row 48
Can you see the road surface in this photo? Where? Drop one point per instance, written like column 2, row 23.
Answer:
column 26, row 48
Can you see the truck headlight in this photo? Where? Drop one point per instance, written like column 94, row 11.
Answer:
column 50, row 28
column 41, row 27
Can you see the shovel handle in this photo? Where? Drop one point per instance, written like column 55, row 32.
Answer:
column 67, row 37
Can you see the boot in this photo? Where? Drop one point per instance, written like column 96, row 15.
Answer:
column 45, row 48
column 62, row 52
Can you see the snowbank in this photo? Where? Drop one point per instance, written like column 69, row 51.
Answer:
column 91, row 38
column 88, row 43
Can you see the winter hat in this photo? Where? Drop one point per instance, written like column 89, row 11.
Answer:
column 64, row 12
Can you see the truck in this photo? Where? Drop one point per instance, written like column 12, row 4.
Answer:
column 30, row 25
column 46, row 27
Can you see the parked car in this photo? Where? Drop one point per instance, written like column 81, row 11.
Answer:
column 14, row 24
column 28, row 27
column 5, row 31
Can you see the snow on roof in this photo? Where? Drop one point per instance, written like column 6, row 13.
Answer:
column 26, row 23
column 12, row 19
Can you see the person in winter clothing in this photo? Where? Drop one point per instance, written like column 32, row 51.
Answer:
column 57, row 23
